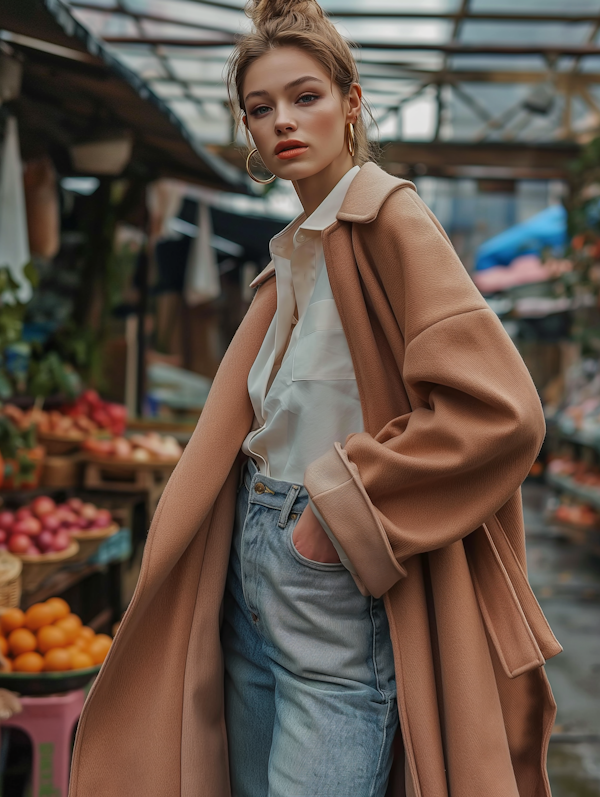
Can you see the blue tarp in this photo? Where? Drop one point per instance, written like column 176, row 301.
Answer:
column 546, row 229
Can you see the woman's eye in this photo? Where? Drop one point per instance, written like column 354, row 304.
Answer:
column 255, row 112
column 309, row 97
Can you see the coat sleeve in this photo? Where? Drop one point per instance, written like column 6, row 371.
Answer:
column 432, row 475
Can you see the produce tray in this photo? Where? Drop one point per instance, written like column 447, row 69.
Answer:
column 130, row 464
column 47, row 683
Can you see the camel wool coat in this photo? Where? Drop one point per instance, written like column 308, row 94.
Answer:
column 426, row 503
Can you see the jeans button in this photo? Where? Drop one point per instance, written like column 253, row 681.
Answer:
column 259, row 487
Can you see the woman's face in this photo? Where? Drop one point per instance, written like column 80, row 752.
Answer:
column 289, row 96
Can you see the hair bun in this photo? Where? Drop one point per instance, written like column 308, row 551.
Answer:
column 263, row 11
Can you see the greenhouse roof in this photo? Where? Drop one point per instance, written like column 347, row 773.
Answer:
column 447, row 70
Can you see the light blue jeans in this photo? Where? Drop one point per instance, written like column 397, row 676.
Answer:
column 310, row 689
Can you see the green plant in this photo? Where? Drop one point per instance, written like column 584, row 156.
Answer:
column 14, row 445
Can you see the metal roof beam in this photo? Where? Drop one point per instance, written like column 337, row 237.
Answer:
column 385, row 14
column 452, row 49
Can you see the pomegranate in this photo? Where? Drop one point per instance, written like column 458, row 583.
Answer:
column 103, row 519
column 75, row 504
column 62, row 540
column 33, row 550
column 89, row 512
column 3, row 535
column 7, row 520
column 23, row 512
column 42, row 505
column 30, row 526
column 18, row 543
column 45, row 541
column 51, row 522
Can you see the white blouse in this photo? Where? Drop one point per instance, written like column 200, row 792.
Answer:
column 313, row 399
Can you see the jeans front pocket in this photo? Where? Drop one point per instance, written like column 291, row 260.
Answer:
column 327, row 566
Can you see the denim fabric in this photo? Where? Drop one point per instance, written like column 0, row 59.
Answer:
column 310, row 690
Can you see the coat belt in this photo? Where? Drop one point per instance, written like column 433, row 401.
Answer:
column 514, row 619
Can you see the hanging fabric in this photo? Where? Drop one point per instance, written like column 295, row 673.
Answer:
column 14, row 243
column 202, row 281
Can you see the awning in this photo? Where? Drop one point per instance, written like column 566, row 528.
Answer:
column 74, row 91
column 547, row 229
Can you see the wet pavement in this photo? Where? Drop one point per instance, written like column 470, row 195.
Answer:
column 565, row 577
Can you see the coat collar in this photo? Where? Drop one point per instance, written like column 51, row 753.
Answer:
column 364, row 198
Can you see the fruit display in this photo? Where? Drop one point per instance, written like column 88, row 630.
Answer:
column 88, row 415
column 44, row 527
column 579, row 471
column 91, row 411
column 48, row 637
column 147, row 447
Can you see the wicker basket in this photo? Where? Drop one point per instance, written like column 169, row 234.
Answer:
column 61, row 471
column 10, row 580
column 37, row 568
column 89, row 541
column 58, row 444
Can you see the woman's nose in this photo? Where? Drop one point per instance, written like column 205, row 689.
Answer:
column 283, row 122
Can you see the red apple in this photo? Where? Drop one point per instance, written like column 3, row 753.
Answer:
column 51, row 522
column 75, row 504
column 62, row 540
column 7, row 520
column 3, row 535
column 45, row 541
column 42, row 505
column 29, row 525
column 23, row 513
column 33, row 550
column 18, row 543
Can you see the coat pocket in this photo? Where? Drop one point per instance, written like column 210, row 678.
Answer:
column 513, row 617
column 322, row 350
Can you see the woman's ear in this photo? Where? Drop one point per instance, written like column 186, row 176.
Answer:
column 245, row 120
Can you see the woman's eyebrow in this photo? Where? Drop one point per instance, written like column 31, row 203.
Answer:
column 285, row 88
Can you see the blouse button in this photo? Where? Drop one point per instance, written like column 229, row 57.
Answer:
column 301, row 237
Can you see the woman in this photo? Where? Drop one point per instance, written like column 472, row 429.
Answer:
column 314, row 618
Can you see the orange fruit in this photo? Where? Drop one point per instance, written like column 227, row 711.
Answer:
column 50, row 637
column 70, row 627
column 87, row 633
column 11, row 619
column 80, row 660
column 76, row 619
column 28, row 662
column 3, row 646
column 57, row 659
column 99, row 648
column 39, row 615
column 21, row 640
column 61, row 607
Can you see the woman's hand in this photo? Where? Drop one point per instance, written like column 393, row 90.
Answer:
column 311, row 540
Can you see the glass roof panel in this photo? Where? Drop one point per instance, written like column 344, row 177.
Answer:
column 419, row 59
column 167, row 89
column 147, row 66
column 394, row 31
column 165, row 30
column 498, row 63
column 191, row 70
column 590, row 63
column 572, row 7
column 101, row 3
column 397, row 6
column 204, row 91
column 513, row 33
column 191, row 13
column 106, row 24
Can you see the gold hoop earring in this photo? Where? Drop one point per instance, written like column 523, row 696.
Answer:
column 350, row 138
column 256, row 179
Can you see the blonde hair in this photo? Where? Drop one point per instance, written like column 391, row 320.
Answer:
column 302, row 24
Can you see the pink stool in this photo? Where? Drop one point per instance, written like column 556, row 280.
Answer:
column 49, row 723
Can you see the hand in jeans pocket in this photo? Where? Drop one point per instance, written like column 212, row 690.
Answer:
column 311, row 540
